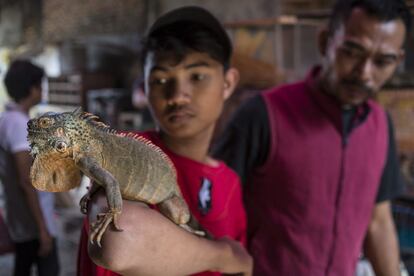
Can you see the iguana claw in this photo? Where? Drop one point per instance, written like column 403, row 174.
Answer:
column 99, row 227
column 84, row 202
column 191, row 230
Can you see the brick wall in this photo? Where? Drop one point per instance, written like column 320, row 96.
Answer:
column 300, row 6
column 229, row 10
column 66, row 20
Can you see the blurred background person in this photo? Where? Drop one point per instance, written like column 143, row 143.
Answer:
column 29, row 213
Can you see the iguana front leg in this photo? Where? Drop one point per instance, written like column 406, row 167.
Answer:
column 93, row 170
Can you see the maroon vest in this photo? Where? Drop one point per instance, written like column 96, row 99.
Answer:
column 310, row 204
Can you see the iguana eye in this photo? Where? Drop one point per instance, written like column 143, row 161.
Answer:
column 45, row 122
column 61, row 146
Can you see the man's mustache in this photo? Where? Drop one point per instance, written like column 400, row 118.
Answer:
column 359, row 86
column 178, row 108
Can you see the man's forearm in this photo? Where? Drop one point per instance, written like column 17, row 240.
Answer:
column 381, row 244
column 150, row 244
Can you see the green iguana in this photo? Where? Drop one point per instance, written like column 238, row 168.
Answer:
column 126, row 165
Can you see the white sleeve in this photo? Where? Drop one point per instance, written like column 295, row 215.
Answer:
column 17, row 134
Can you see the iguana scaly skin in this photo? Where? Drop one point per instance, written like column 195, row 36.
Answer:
column 127, row 166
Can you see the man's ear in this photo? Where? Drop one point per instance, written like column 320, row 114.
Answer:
column 401, row 56
column 34, row 91
column 323, row 39
column 231, row 79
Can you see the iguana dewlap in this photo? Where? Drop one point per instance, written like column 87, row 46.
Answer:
column 127, row 166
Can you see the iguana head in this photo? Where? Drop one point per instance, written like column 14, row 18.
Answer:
column 46, row 133
column 53, row 137
column 60, row 132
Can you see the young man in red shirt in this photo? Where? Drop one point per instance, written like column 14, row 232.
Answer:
column 187, row 78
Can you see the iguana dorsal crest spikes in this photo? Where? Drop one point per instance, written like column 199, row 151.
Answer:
column 147, row 142
column 77, row 112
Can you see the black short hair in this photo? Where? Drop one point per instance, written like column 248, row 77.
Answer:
column 21, row 76
column 175, row 41
column 384, row 10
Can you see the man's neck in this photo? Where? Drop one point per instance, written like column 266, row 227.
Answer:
column 322, row 85
column 24, row 106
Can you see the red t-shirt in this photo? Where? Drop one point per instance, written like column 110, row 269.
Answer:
column 213, row 195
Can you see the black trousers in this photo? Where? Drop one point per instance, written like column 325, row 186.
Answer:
column 26, row 255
